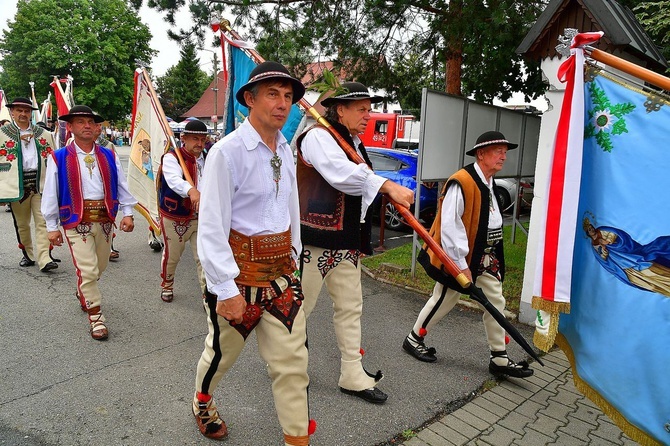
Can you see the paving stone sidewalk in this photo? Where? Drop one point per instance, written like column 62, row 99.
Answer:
column 545, row 409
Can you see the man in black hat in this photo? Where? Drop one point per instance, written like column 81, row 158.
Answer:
column 179, row 201
column 469, row 228
column 84, row 188
column 24, row 149
column 248, row 243
column 335, row 195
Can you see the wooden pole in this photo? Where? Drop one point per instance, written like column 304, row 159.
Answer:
column 630, row 68
column 161, row 113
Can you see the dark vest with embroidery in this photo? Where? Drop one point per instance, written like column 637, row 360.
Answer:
column 329, row 218
column 475, row 218
column 70, row 193
column 170, row 203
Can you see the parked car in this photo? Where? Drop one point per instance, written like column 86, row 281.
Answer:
column 506, row 191
column 400, row 166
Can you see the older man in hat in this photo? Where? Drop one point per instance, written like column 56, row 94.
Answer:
column 248, row 243
column 469, row 229
column 24, row 149
column 335, row 195
column 84, row 189
column 180, row 177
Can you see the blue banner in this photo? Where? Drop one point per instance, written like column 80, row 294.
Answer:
column 618, row 328
column 240, row 68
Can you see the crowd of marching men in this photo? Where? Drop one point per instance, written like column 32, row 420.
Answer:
column 266, row 232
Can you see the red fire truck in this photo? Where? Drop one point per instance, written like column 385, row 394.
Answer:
column 391, row 131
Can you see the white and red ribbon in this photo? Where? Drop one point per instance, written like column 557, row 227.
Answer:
column 553, row 274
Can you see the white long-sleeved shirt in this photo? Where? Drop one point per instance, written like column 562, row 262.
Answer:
column 452, row 233
column 29, row 150
column 91, row 185
column 174, row 176
column 321, row 150
column 238, row 192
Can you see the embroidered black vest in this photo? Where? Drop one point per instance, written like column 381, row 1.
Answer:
column 329, row 218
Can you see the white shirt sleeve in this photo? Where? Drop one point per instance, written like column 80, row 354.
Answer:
column 174, row 176
column 214, row 221
column 49, row 206
column 321, row 150
column 126, row 199
column 452, row 233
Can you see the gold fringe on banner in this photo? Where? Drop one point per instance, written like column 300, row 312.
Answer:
column 634, row 432
column 545, row 336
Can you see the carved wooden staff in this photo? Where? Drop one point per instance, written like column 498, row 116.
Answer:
column 451, row 267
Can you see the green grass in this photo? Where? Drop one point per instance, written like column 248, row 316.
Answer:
column 515, row 258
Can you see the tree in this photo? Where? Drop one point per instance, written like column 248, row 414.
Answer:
column 183, row 84
column 465, row 46
column 95, row 41
column 655, row 18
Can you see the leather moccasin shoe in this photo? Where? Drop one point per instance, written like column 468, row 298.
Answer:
column 208, row 420
column 25, row 261
column 155, row 245
column 420, row 352
column 99, row 331
column 373, row 395
column 513, row 369
column 49, row 266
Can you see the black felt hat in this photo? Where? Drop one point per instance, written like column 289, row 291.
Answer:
column 355, row 92
column 25, row 102
column 81, row 111
column 270, row 70
column 488, row 139
column 196, row 126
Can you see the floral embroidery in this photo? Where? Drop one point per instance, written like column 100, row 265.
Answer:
column 605, row 118
column 44, row 148
column 180, row 227
column 9, row 150
column 331, row 258
column 83, row 229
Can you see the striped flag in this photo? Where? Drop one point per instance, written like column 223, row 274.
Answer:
column 64, row 102
column 151, row 136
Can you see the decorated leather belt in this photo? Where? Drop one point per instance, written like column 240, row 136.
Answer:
column 29, row 180
column 494, row 236
column 95, row 212
column 261, row 258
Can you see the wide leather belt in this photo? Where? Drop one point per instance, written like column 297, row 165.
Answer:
column 29, row 179
column 261, row 258
column 95, row 212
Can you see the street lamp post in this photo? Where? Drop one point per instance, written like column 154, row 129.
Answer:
column 215, row 62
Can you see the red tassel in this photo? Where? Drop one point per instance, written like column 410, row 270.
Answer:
column 506, row 339
column 215, row 26
column 312, row 427
column 422, row 332
column 203, row 397
column 362, row 351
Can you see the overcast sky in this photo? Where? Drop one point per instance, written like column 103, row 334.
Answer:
column 166, row 57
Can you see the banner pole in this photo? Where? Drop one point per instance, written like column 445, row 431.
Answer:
column 629, row 67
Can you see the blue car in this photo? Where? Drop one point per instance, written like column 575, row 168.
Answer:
column 400, row 166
